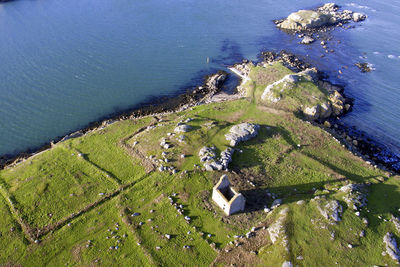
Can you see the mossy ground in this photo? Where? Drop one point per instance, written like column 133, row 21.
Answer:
column 105, row 179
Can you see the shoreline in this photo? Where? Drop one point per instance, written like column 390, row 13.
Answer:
column 357, row 142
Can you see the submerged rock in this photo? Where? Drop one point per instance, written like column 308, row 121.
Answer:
column 242, row 132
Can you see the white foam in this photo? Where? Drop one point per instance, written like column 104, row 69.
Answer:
column 376, row 53
column 361, row 7
column 391, row 56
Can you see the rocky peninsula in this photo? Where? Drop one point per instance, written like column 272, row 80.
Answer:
column 137, row 189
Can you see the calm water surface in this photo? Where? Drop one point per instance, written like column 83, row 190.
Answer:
column 64, row 64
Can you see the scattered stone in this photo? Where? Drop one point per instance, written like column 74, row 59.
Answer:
column 167, row 236
column 276, row 203
column 158, row 248
column 287, row 264
column 300, row 202
column 362, row 233
column 242, row 132
column 364, row 66
column 186, row 247
column 135, row 214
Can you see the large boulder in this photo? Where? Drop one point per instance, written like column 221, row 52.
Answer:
column 312, row 113
column 305, row 19
column 242, row 132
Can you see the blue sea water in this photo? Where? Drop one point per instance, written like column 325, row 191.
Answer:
column 64, row 64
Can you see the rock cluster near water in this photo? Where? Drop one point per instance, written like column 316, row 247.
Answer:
column 336, row 105
column 324, row 16
column 242, row 132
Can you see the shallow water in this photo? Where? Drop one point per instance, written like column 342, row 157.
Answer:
column 67, row 63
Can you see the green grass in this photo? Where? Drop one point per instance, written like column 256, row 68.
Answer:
column 289, row 157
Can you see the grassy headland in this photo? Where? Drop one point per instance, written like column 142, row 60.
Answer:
column 100, row 199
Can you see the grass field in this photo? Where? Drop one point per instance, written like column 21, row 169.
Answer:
column 100, row 199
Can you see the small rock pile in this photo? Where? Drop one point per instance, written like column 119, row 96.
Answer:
column 242, row 132
column 208, row 156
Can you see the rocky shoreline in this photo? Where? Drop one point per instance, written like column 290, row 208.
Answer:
column 357, row 142
column 308, row 24
column 200, row 94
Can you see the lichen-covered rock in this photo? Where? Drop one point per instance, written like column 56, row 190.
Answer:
column 242, row 132
column 391, row 247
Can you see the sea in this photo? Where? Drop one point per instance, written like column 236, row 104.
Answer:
column 64, row 64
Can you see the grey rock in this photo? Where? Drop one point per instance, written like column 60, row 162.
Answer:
column 331, row 210
column 391, row 247
column 276, row 203
column 182, row 128
column 358, row 17
column 307, row 40
column 242, row 132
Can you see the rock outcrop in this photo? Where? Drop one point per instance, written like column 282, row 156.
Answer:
column 391, row 247
column 356, row 196
column 276, row 230
column 286, row 82
column 334, row 107
column 242, row 132
column 325, row 16
column 332, row 210
column 183, row 128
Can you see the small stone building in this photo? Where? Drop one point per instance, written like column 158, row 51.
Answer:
column 227, row 198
